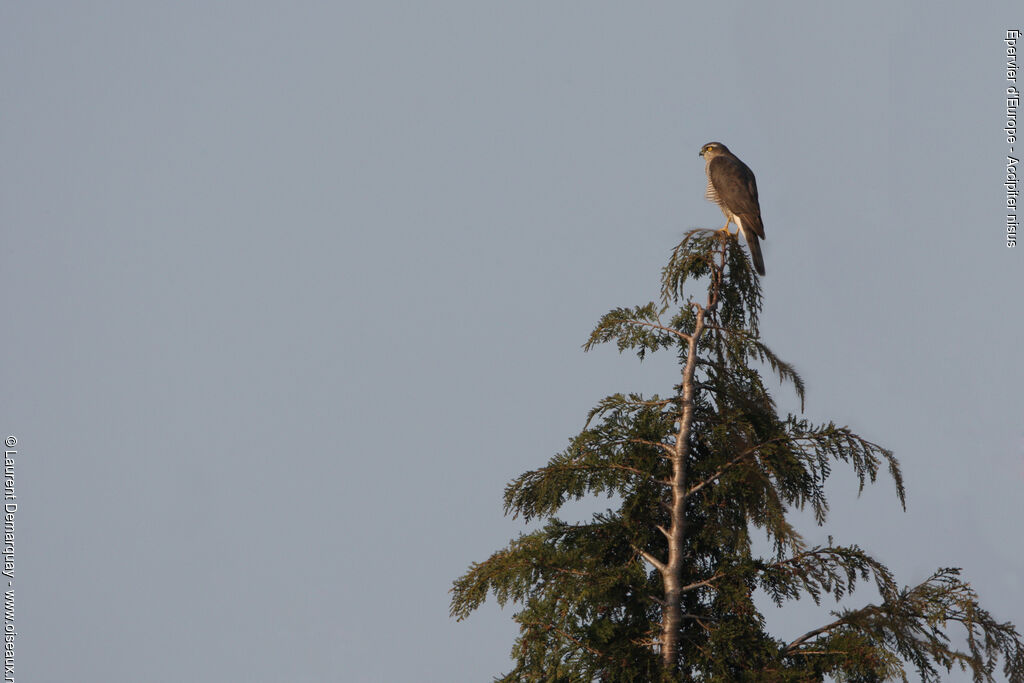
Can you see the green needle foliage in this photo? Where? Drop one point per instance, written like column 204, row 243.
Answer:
column 661, row 588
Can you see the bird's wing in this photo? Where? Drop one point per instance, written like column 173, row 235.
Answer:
column 736, row 188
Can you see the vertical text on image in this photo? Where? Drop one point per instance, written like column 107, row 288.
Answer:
column 1012, row 102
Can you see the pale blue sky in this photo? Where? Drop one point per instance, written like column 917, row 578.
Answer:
column 291, row 291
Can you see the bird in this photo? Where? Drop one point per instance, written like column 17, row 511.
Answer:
column 732, row 186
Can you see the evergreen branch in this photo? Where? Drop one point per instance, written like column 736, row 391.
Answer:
column 654, row 562
column 705, row 582
column 864, row 611
column 669, row 330
column 748, row 453
column 842, row 444
column 570, row 638
column 784, row 370
column 543, row 491
column 699, row 620
column 646, row 476
column 646, row 442
column 692, row 258
column 595, row 467
column 753, row 348
column 832, row 569
column 635, row 328
column 652, row 402
column 913, row 625
column 619, row 404
column 798, row 460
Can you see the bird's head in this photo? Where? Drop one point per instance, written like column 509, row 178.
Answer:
column 713, row 149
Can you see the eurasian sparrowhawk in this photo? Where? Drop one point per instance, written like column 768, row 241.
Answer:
column 731, row 185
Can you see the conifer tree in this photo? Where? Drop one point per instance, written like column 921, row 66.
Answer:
column 661, row 587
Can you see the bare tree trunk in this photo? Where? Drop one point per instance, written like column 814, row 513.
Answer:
column 672, row 615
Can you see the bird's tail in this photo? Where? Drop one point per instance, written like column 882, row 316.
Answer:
column 755, row 251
